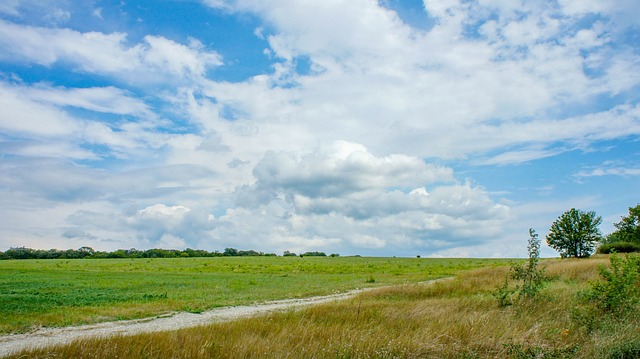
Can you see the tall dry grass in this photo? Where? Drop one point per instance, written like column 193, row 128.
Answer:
column 456, row 318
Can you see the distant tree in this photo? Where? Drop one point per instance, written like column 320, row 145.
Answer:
column 230, row 252
column 86, row 251
column 628, row 229
column 575, row 233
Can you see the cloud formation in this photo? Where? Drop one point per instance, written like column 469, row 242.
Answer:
column 356, row 131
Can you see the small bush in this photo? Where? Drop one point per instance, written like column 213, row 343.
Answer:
column 619, row 247
column 532, row 278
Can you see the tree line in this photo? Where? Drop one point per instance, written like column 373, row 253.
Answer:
column 574, row 234
column 88, row 252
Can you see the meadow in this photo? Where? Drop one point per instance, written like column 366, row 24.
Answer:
column 456, row 318
column 51, row 293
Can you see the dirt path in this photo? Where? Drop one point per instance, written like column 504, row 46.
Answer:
column 56, row 336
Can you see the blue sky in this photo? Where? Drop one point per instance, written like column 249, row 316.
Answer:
column 385, row 128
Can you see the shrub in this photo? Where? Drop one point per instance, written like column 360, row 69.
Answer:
column 619, row 247
column 619, row 291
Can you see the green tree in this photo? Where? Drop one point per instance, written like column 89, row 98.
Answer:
column 628, row 229
column 575, row 233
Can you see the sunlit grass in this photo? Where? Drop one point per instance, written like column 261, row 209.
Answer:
column 455, row 318
column 36, row 293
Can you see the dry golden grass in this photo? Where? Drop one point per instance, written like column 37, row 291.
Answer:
column 456, row 318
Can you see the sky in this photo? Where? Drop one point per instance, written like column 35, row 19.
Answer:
column 359, row 127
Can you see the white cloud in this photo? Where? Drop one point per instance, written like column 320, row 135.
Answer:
column 22, row 116
column 155, row 59
column 609, row 169
column 331, row 156
column 99, row 99
column 37, row 121
column 344, row 167
column 343, row 191
column 397, row 89
column 58, row 16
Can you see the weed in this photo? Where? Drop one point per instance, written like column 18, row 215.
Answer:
column 530, row 276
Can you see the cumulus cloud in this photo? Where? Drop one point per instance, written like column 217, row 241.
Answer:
column 372, row 204
column 342, row 168
column 346, row 195
column 154, row 226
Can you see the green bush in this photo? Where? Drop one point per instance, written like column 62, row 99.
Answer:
column 619, row 247
column 618, row 292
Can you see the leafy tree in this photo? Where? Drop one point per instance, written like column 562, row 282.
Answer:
column 628, row 229
column 86, row 251
column 575, row 233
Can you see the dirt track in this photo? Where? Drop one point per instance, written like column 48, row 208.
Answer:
column 57, row 336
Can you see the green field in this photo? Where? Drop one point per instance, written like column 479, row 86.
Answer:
column 457, row 318
column 37, row 293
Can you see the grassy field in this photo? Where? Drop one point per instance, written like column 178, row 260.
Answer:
column 456, row 318
column 37, row 293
